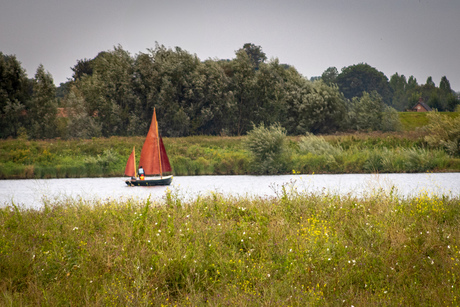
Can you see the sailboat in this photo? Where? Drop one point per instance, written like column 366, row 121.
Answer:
column 154, row 160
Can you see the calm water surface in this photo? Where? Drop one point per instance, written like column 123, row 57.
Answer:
column 32, row 193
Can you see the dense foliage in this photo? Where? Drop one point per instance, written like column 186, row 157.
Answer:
column 268, row 149
column 444, row 132
column 114, row 94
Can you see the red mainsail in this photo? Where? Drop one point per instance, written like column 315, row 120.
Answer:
column 153, row 159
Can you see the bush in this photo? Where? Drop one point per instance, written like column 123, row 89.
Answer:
column 390, row 120
column 268, row 149
column 444, row 132
column 317, row 145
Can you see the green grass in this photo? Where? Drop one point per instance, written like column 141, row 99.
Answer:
column 290, row 250
column 413, row 120
column 206, row 155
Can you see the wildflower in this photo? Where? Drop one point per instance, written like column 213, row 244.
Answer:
column 268, row 275
column 75, row 228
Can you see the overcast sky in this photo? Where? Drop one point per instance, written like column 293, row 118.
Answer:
column 411, row 37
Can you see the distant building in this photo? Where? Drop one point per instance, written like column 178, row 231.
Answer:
column 421, row 107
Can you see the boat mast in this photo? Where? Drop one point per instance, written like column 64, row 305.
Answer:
column 134, row 161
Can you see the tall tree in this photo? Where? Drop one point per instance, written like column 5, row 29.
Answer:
column 255, row 53
column 329, row 76
column 241, row 86
column 313, row 107
column 366, row 112
column 43, row 108
column 398, row 85
column 83, row 67
column 14, row 96
column 444, row 86
column 429, row 82
column 356, row 79
column 109, row 90
column 447, row 95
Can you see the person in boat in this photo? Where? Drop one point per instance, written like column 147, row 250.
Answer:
column 141, row 173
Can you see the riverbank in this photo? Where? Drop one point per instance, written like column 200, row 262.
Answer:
column 292, row 249
column 213, row 155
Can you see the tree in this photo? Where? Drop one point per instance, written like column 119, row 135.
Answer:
column 431, row 95
column 434, row 102
column 356, row 79
column 242, row 85
column 109, row 92
column 14, row 96
column 447, row 95
column 43, row 108
column 452, row 102
column 366, row 112
column 329, row 76
column 313, row 107
column 429, row 82
column 80, row 123
column 413, row 92
column 83, row 67
column 255, row 53
column 398, row 85
column 444, row 86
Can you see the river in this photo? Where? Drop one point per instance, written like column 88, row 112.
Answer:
column 32, row 193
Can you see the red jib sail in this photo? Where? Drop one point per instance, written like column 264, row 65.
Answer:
column 166, row 167
column 130, row 169
column 153, row 159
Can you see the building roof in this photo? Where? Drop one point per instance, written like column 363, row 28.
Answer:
column 423, row 105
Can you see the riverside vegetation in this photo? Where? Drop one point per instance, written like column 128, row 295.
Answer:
column 289, row 250
column 265, row 150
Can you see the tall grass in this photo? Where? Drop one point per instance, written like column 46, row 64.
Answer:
column 293, row 249
column 203, row 155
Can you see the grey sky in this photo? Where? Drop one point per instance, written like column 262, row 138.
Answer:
column 411, row 37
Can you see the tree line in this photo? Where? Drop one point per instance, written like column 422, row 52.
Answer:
column 115, row 93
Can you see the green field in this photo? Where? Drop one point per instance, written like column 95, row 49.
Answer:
column 290, row 250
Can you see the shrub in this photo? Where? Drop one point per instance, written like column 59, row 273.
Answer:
column 268, row 149
column 390, row 120
column 317, row 145
column 444, row 132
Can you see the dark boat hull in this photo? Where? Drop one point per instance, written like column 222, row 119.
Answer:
column 150, row 182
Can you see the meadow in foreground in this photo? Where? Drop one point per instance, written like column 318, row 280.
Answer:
column 289, row 250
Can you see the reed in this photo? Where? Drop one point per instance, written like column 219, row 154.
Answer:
column 292, row 249
column 205, row 155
